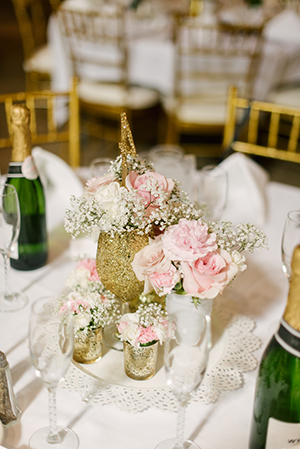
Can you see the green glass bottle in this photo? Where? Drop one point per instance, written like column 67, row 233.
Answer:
column 32, row 248
column 276, row 415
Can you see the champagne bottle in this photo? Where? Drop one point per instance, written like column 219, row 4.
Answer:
column 276, row 416
column 32, row 248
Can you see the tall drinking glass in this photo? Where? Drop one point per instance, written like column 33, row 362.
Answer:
column 9, row 232
column 185, row 357
column 290, row 239
column 213, row 191
column 51, row 349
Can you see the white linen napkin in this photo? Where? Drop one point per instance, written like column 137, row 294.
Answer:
column 284, row 27
column 246, row 199
column 59, row 181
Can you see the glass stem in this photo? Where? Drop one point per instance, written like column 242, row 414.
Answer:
column 180, row 426
column 7, row 292
column 53, row 436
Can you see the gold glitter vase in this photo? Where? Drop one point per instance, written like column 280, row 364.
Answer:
column 140, row 361
column 113, row 261
column 88, row 346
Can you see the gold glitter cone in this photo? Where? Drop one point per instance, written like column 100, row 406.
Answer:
column 113, row 261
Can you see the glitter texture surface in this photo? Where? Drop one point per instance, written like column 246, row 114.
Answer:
column 114, row 257
column 140, row 362
column 88, row 346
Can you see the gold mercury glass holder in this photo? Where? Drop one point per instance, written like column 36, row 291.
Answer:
column 140, row 361
column 115, row 254
column 88, row 346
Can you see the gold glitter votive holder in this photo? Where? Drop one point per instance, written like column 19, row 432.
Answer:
column 140, row 361
column 88, row 346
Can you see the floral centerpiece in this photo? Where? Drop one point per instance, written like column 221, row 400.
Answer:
column 178, row 252
column 196, row 258
column 93, row 308
column 144, row 327
column 92, row 305
column 141, row 332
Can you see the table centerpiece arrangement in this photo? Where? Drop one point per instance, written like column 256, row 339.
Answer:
column 93, row 308
column 151, row 237
column 141, row 332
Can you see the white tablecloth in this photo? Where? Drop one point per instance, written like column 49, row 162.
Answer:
column 260, row 293
column 151, row 59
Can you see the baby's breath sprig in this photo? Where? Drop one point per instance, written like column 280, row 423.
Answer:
column 243, row 237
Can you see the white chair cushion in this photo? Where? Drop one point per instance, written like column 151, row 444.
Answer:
column 202, row 113
column 116, row 96
column 285, row 97
column 41, row 61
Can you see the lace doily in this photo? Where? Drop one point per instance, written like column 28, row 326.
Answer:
column 231, row 356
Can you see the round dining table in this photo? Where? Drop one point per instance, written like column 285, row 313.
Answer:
column 115, row 414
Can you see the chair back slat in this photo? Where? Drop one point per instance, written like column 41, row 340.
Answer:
column 96, row 40
column 272, row 130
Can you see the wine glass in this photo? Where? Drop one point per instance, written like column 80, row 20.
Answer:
column 51, row 348
column 9, row 232
column 290, row 239
column 100, row 166
column 185, row 358
column 213, row 190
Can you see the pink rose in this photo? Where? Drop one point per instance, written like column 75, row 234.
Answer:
column 188, row 240
column 93, row 184
column 89, row 264
column 151, row 259
column 166, row 281
column 206, row 277
column 138, row 182
column 145, row 335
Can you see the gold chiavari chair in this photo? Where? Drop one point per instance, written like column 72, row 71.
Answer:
column 38, row 60
column 208, row 59
column 269, row 129
column 98, row 51
column 45, row 107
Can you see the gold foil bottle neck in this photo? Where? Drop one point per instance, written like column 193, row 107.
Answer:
column 20, row 119
column 292, row 310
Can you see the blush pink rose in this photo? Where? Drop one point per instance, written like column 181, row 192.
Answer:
column 145, row 335
column 93, row 184
column 89, row 264
column 208, row 276
column 188, row 240
column 151, row 259
column 138, row 182
column 166, row 281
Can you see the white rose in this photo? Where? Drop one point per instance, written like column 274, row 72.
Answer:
column 78, row 277
column 239, row 260
column 130, row 332
column 108, row 196
column 81, row 320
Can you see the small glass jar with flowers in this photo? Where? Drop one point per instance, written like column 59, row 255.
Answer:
column 141, row 332
column 93, row 308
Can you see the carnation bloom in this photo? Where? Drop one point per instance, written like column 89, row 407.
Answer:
column 89, row 264
column 208, row 276
column 166, row 281
column 188, row 240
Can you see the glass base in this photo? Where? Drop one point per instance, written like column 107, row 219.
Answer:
column 17, row 301
column 171, row 444
column 69, row 439
column 111, row 338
